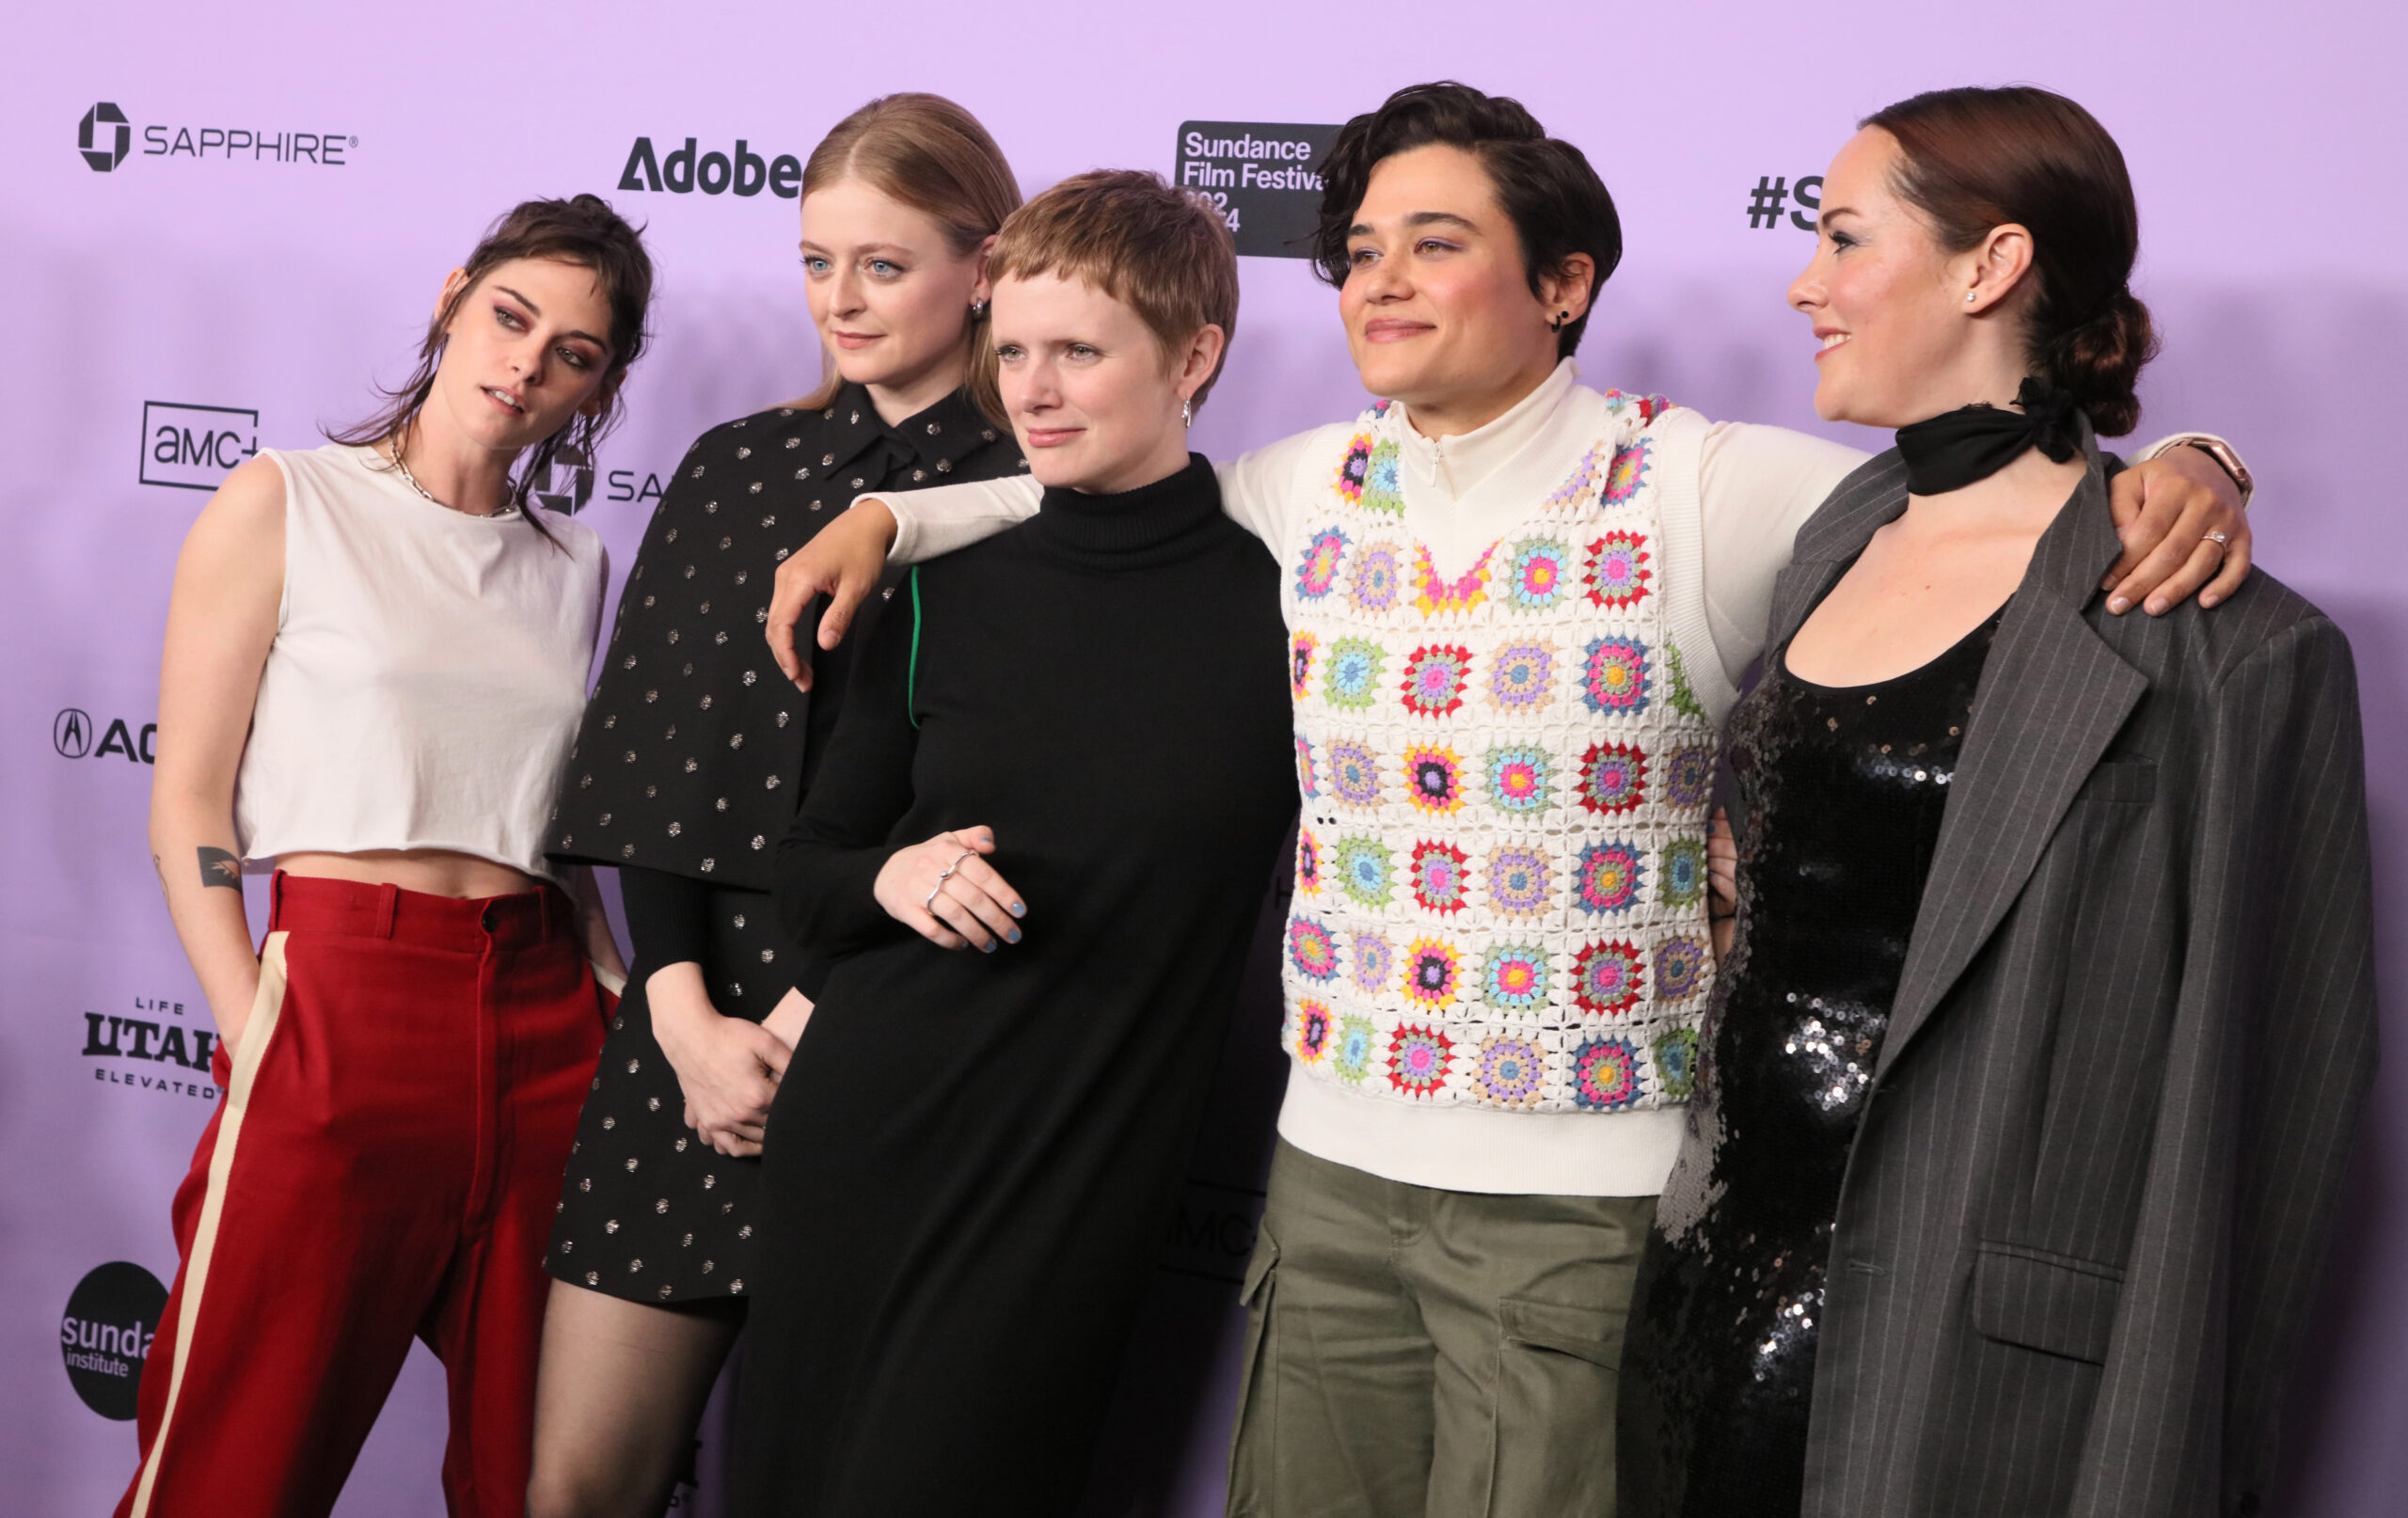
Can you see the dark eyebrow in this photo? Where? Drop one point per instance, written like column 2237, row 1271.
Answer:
column 539, row 310
column 1421, row 218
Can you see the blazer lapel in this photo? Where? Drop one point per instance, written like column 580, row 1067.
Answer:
column 2052, row 697
column 1864, row 503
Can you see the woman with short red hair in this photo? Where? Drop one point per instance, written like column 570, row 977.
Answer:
column 1068, row 749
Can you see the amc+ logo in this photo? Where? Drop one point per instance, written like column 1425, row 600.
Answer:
column 105, row 156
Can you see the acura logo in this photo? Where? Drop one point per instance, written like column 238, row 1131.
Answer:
column 105, row 156
column 71, row 734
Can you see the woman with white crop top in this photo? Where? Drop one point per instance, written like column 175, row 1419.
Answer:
column 377, row 658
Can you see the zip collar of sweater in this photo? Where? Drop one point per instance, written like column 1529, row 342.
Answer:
column 1451, row 467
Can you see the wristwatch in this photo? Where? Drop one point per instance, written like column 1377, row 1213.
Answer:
column 2228, row 458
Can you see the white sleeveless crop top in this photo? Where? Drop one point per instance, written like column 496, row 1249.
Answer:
column 428, row 672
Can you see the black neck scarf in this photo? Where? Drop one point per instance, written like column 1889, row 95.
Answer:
column 1952, row 449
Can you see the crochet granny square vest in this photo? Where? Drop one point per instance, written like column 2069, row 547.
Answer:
column 1500, row 878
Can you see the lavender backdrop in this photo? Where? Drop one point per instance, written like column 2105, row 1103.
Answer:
column 2267, row 146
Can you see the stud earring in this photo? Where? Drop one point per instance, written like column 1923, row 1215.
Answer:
column 978, row 309
column 1561, row 317
column 1969, row 297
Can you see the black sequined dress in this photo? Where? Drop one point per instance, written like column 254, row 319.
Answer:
column 694, row 758
column 1839, row 799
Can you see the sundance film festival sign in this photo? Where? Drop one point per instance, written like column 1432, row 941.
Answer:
column 1262, row 177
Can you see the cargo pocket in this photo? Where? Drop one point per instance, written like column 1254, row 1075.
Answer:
column 1253, row 1442
column 1552, row 1444
column 2057, row 1303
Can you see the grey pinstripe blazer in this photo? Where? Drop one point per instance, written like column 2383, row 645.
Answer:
column 2136, row 1026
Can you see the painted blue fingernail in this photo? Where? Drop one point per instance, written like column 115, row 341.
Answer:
column 1018, row 910
column 1012, row 937
column 988, row 947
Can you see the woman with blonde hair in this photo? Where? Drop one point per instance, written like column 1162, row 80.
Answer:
column 692, row 760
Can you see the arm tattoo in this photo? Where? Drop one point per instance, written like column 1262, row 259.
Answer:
column 220, row 868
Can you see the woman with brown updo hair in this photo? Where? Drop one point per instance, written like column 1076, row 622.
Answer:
column 2025, row 1089
column 694, row 757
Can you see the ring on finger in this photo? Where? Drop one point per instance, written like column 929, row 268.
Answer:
column 2218, row 539
column 957, row 861
column 929, row 905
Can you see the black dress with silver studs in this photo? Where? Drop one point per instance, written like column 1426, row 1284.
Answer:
column 694, row 756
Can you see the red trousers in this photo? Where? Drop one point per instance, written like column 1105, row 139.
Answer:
column 384, row 1163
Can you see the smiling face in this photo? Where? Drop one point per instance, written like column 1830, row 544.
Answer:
column 526, row 349
column 1093, row 397
column 1900, row 341
column 888, row 292
column 1437, row 302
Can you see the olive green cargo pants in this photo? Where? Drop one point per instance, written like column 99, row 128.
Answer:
column 1421, row 1353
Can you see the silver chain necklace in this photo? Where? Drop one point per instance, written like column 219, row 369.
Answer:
column 411, row 480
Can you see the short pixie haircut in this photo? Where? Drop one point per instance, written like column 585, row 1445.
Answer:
column 1157, row 250
column 1556, row 201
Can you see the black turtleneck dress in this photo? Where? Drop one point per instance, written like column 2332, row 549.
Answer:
column 692, row 760
column 974, row 1158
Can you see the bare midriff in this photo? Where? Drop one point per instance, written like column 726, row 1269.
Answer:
column 436, row 872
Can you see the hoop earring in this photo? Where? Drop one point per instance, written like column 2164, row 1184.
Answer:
column 1187, row 412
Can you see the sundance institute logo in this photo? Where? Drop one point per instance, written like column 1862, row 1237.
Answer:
column 105, row 1335
column 105, row 137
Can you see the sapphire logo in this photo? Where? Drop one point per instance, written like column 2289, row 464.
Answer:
column 105, row 1335
column 571, row 482
column 194, row 448
column 105, row 137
